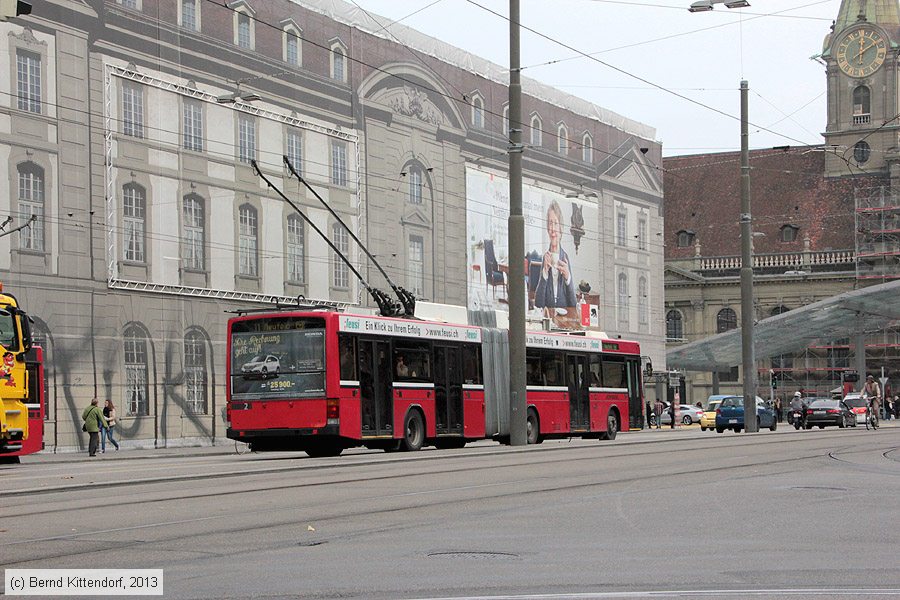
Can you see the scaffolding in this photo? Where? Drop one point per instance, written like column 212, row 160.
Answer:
column 877, row 224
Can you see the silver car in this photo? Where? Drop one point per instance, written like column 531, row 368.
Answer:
column 685, row 413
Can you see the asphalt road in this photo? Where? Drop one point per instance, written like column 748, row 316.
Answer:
column 684, row 514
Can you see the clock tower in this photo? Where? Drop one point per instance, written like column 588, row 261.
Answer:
column 861, row 56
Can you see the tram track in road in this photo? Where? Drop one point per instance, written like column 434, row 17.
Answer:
column 323, row 513
column 366, row 460
column 838, row 456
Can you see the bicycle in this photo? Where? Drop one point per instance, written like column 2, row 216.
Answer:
column 871, row 416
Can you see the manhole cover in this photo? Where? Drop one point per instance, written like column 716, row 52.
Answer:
column 475, row 555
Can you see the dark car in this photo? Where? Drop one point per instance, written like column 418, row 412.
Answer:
column 730, row 414
column 823, row 412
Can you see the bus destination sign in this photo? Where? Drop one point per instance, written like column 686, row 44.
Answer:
column 409, row 329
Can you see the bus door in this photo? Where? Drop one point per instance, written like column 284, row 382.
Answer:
column 375, row 387
column 635, row 400
column 579, row 392
column 448, row 390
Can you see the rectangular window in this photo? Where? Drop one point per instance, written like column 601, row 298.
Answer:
column 295, row 150
column 195, row 375
column 193, row 233
column 338, row 64
column 292, row 48
column 415, row 186
column 642, row 234
column 621, row 229
column 189, row 14
column 244, row 38
column 193, row 125
column 28, row 71
column 417, row 265
column 132, row 109
column 340, row 272
column 247, row 242
column 338, row 163
column 136, row 376
column 246, row 138
column 134, row 215
column 31, row 203
column 133, row 4
column 295, row 249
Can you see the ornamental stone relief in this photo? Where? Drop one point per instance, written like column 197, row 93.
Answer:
column 411, row 102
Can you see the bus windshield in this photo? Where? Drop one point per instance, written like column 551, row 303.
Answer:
column 8, row 331
column 280, row 357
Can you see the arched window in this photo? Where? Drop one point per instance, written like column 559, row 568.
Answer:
column 193, row 233
column 296, row 249
column 562, row 139
column 536, row 137
column 195, row 373
column 248, row 241
column 134, row 214
column 137, row 389
column 415, row 184
column 674, row 326
column 623, row 299
column 290, row 42
column 338, row 62
column 477, row 111
column 726, row 320
column 643, row 312
column 31, row 203
column 861, row 101
column 587, row 148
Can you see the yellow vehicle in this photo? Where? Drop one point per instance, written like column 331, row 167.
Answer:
column 708, row 420
column 15, row 341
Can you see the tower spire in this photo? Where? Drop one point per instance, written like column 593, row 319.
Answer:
column 879, row 12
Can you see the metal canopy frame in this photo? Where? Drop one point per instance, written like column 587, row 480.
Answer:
column 869, row 309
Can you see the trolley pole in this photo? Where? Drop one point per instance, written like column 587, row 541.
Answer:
column 516, row 253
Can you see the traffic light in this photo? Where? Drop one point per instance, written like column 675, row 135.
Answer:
column 773, row 380
column 14, row 8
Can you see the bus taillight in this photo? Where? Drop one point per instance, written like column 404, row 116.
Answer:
column 332, row 411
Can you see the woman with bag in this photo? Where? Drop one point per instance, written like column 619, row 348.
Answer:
column 109, row 411
column 94, row 422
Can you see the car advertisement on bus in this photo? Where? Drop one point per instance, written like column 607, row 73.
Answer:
column 562, row 262
column 277, row 364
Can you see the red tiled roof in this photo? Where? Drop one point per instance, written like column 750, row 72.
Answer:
column 703, row 195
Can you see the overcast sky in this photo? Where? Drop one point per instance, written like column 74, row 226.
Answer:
column 701, row 56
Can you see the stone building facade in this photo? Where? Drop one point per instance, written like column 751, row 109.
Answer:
column 129, row 127
column 824, row 219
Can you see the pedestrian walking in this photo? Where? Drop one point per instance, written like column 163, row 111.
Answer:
column 778, row 411
column 109, row 411
column 896, row 407
column 891, row 402
column 649, row 415
column 659, row 411
column 93, row 422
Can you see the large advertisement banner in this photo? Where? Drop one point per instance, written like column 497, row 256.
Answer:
column 562, row 247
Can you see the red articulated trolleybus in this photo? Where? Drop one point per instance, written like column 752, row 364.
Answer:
column 323, row 380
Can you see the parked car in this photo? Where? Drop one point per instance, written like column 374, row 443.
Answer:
column 825, row 411
column 857, row 404
column 730, row 414
column 264, row 364
column 686, row 413
column 708, row 420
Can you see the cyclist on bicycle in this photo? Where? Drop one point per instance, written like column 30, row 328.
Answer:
column 872, row 391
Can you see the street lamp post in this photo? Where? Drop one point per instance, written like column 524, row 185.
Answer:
column 749, row 361
column 747, row 321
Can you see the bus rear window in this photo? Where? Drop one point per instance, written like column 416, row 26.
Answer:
column 278, row 358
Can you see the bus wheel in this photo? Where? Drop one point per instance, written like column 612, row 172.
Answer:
column 532, row 427
column 413, row 432
column 612, row 427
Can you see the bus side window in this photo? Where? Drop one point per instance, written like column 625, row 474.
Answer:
column 471, row 354
column 552, row 368
column 412, row 360
column 614, row 373
column 347, row 348
column 533, row 368
column 596, row 372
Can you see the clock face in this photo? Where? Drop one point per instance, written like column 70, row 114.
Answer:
column 861, row 52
